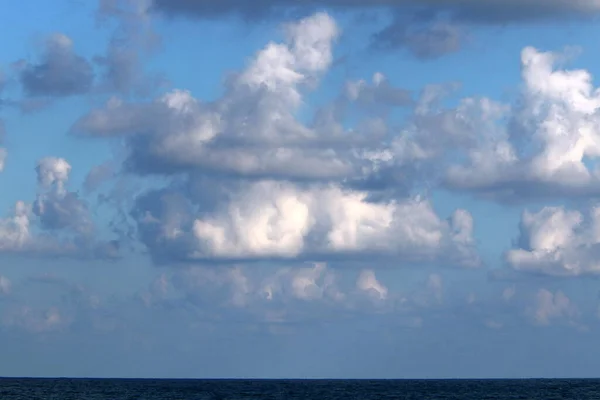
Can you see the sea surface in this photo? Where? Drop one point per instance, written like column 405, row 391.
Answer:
column 126, row 389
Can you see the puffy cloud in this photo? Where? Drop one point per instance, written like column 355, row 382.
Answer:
column 57, row 208
column 60, row 72
column 547, row 148
column 251, row 131
column 269, row 219
column 58, row 223
column 557, row 242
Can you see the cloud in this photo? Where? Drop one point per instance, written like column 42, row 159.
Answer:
column 557, row 242
column 426, row 28
column 267, row 220
column 550, row 307
column 132, row 40
column 490, row 11
column 252, row 131
column 293, row 191
column 98, row 175
column 57, row 208
column 59, row 73
column 367, row 282
column 425, row 41
column 550, row 145
column 278, row 295
column 379, row 93
column 58, row 223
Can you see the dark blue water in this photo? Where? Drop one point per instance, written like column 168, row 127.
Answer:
column 115, row 389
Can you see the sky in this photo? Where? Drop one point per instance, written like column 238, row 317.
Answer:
column 299, row 189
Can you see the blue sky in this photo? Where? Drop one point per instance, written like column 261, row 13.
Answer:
column 399, row 190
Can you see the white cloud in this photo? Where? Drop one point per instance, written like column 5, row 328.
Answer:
column 273, row 219
column 558, row 242
column 14, row 230
column 251, row 131
column 558, row 114
column 53, row 171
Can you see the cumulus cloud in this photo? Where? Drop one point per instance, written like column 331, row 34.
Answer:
column 550, row 146
column 56, row 207
column 268, row 220
column 60, row 71
column 57, row 223
column 251, row 131
column 309, row 189
column 557, row 242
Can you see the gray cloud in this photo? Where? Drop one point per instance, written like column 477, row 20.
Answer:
column 97, row 176
column 421, row 26
column 252, row 131
column 425, row 41
column 489, row 11
column 133, row 38
column 60, row 72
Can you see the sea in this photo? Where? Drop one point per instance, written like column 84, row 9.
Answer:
column 158, row 389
